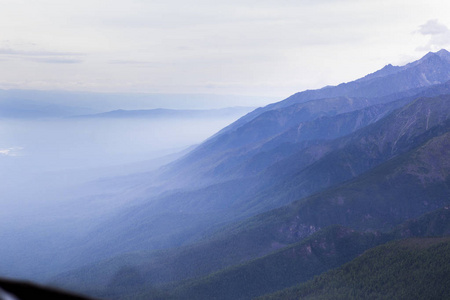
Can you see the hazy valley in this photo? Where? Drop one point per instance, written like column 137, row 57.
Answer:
column 268, row 199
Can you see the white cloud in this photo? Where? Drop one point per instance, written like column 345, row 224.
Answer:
column 439, row 35
column 433, row 27
column 12, row 151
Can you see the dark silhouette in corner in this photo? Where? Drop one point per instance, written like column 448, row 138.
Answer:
column 21, row 290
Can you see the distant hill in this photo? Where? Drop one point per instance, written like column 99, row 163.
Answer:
column 14, row 108
column 172, row 113
column 102, row 102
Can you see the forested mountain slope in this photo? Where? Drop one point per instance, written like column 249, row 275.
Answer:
column 407, row 269
column 412, row 180
column 367, row 155
column 180, row 216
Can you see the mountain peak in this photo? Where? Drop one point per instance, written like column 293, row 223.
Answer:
column 442, row 51
column 444, row 54
column 385, row 71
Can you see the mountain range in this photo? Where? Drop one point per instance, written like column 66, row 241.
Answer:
column 172, row 113
column 50, row 104
column 285, row 193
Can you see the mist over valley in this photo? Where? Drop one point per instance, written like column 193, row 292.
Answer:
column 170, row 150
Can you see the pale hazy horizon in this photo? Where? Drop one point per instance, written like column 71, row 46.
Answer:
column 270, row 48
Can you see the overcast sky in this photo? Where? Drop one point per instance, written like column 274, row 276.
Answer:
column 259, row 47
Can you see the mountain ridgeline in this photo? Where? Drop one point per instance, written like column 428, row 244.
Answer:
column 285, row 193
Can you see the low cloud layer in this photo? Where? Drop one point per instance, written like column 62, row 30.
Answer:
column 41, row 56
column 59, row 60
column 10, row 51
